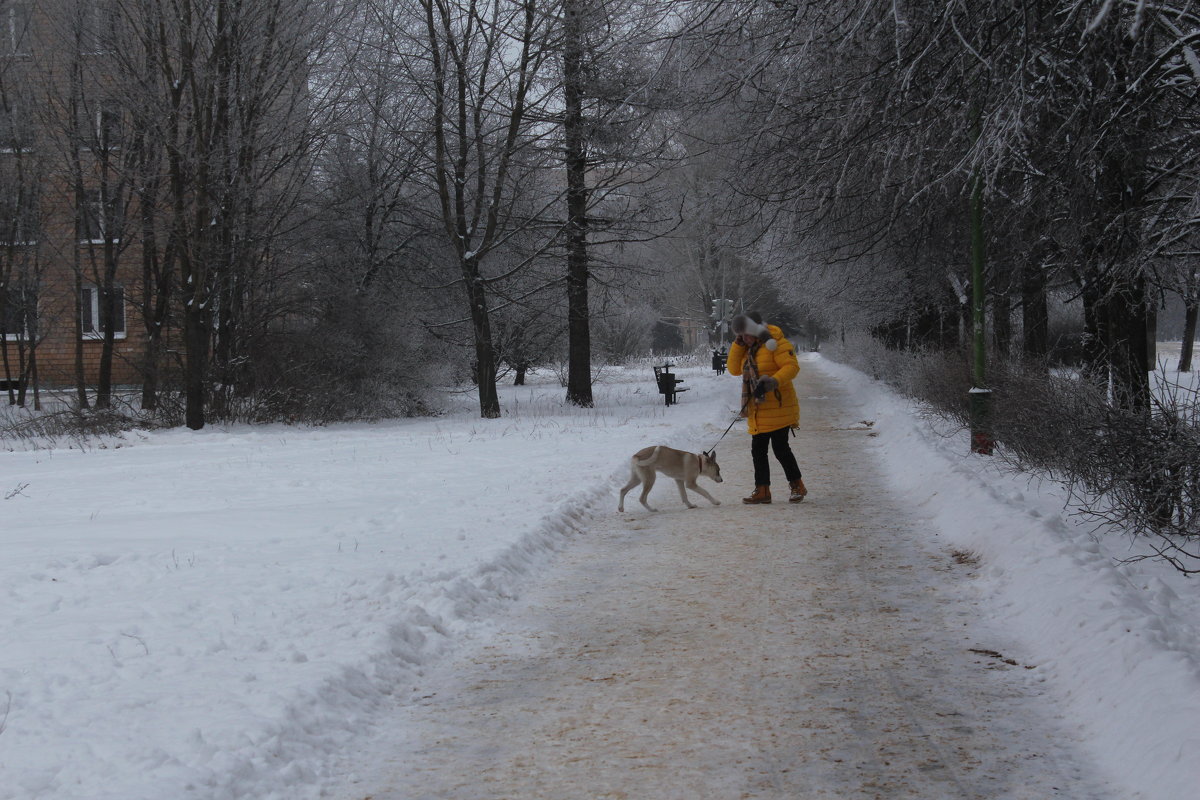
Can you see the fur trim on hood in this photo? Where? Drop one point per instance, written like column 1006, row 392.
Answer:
column 744, row 324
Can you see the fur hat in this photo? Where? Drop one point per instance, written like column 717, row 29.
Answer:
column 752, row 325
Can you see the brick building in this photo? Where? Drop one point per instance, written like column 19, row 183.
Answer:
column 67, row 204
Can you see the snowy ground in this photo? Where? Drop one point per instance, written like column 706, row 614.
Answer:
column 222, row 614
column 831, row 650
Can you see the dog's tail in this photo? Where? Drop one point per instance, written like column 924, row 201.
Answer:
column 648, row 460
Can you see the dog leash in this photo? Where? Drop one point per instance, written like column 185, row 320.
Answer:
column 750, row 362
column 712, row 449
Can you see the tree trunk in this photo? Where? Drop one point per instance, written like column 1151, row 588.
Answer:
column 156, row 296
column 1127, row 311
column 1121, row 189
column 1035, row 314
column 81, row 397
column 105, row 277
column 485, row 352
column 195, row 334
column 1002, row 330
column 106, row 310
column 151, row 355
column 1192, row 306
column 579, row 366
column 1151, row 335
column 9, row 382
column 1095, row 335
column 33, row 380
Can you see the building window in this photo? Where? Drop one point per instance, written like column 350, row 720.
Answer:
column 98, row 32
column 95, row 321
column 98, row 218
column 14, row 29
column 14, row 127
column 108, row 128
column 18, row 220
column 99, row 129
column 17, row 312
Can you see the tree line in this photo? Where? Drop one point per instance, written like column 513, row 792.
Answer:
column 328, row 199
column 871, row 130
column 893, row 145
column 343, row 200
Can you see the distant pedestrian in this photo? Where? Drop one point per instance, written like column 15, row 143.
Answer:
column 766, row 362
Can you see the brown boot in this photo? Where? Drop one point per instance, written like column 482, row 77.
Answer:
column 798, row 490
column 761, row 496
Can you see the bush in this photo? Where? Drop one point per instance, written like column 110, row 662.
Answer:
column 359, row 362
column 80, row 429
column 1140, row 473
column 619, row 337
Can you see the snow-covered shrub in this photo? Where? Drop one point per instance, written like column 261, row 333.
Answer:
column 1152, row 483
column 356, row 362
column 1139, row 472
column 67, row 428
column 622, row 334
column 939, row 378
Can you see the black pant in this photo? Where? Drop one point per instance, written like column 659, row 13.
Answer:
column 778, row 442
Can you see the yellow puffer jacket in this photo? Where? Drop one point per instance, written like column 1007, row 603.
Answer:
column 778, row 409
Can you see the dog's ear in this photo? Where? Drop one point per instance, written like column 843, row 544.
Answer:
column 711, row 454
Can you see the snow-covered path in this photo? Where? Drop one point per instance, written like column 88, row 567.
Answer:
column 815, row 651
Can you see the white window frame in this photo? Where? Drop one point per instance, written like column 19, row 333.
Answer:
column 93, row 129
column 24, row 224
column 90, row 307
column 14, row 28
column 25, row 335
column 93, row 203
column 15, row 119
column 100, row 21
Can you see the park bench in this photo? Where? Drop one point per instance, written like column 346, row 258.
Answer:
column 718, row 361
column 668, row 384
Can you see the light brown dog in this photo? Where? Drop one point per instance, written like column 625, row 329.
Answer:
column 682, row 466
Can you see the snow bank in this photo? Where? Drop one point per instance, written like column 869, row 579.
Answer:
column 224, row 614
column 218, row 614
column 1117, row 642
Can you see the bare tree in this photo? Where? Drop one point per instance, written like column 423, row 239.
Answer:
column 101, row 177
column 226, row 81
column 579, row 372
column 613, row 92
column 486, row 59
column 22, row 173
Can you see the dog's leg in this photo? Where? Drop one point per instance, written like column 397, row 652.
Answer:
column 648, row 476
column 683, row 494
column 634, row 480
column 696, row 488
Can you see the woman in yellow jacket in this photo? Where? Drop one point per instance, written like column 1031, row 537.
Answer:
column 767, row 363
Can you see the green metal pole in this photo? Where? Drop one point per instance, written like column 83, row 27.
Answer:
column 980, row 396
